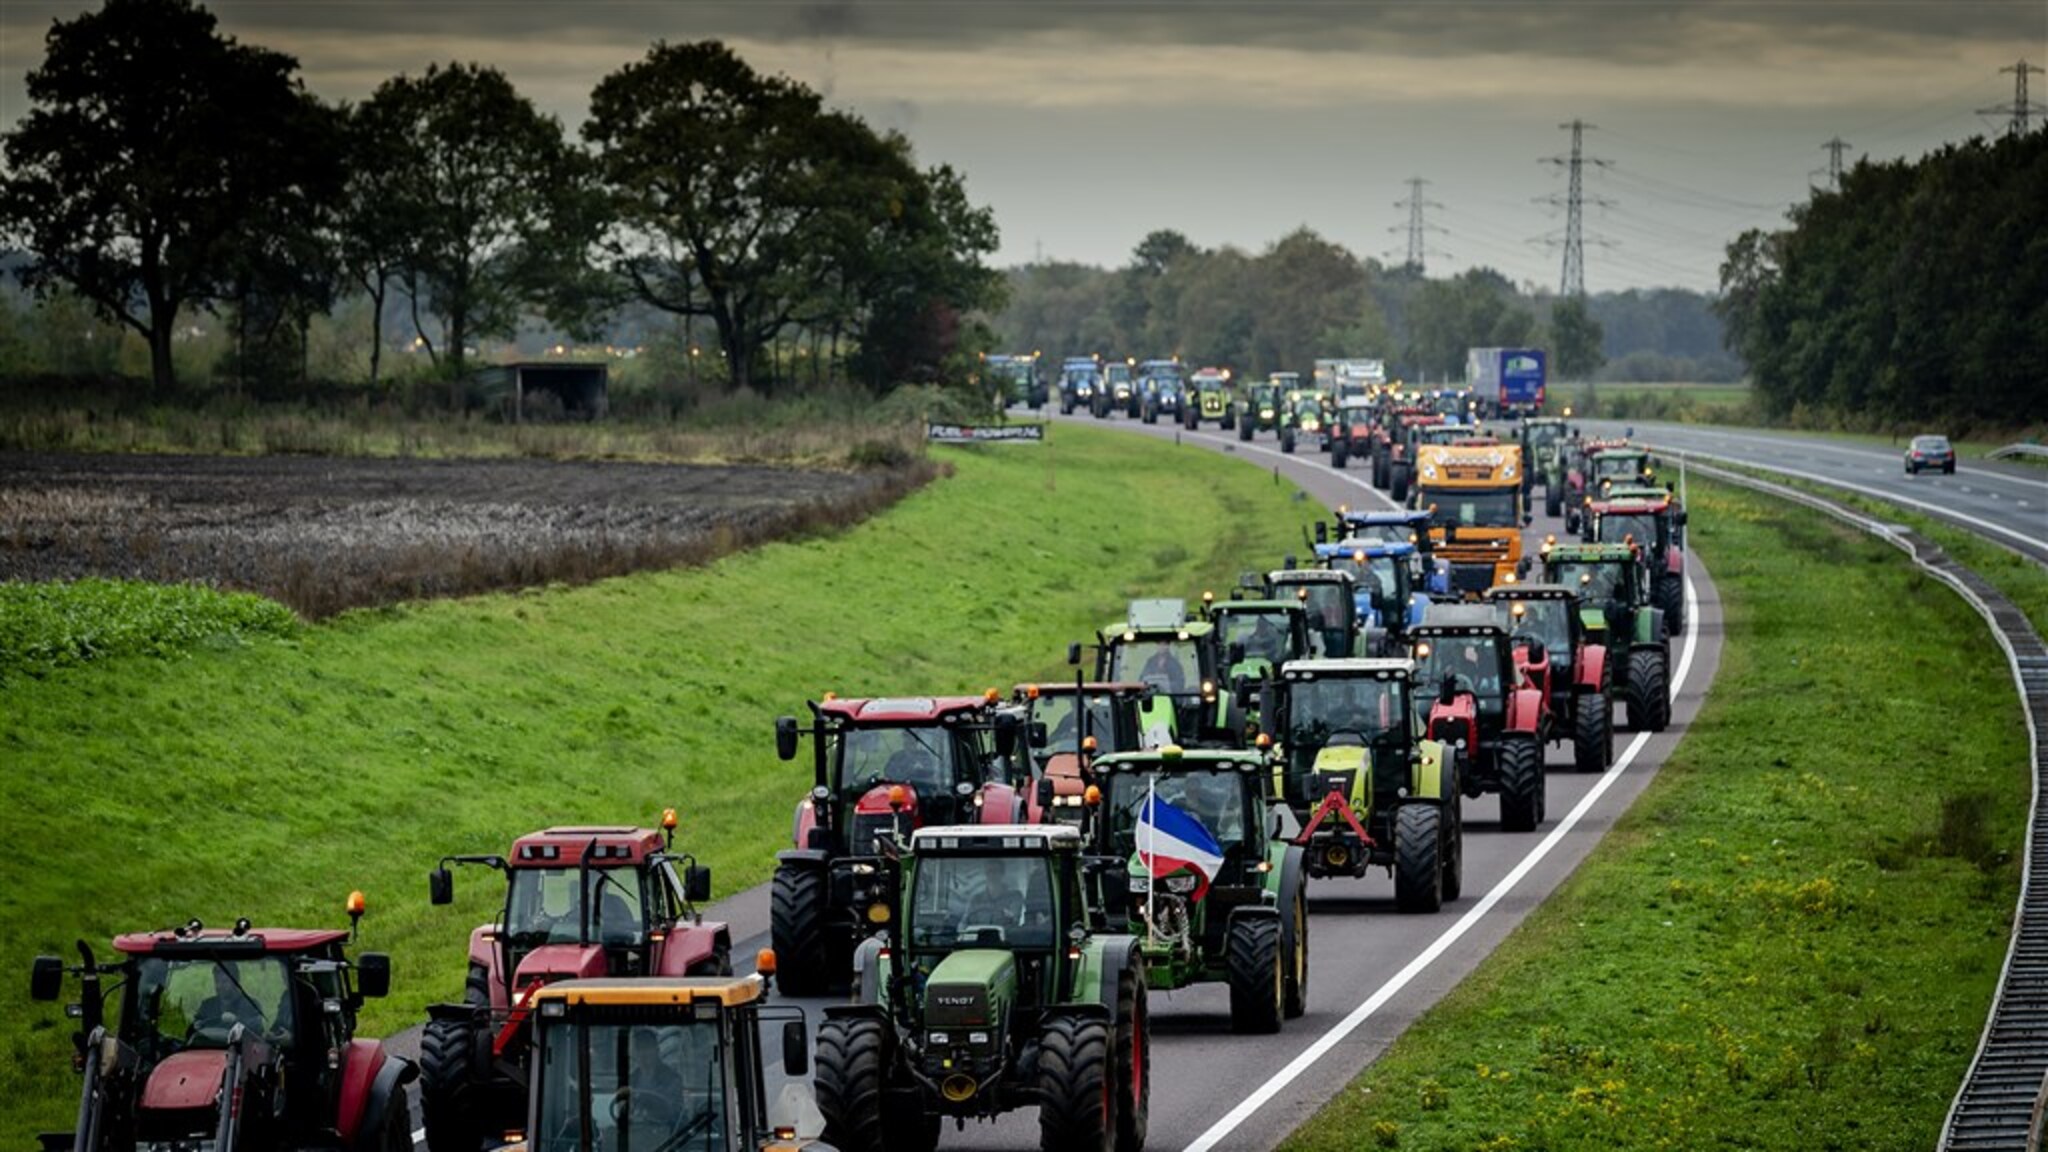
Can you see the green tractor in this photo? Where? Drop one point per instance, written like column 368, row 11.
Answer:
column 1157, row 644
column 1613, row 584
column 1259, row 411
column 1540, row 437
column 1257, row 636
column 1362, row 788
column 1213, row 400
column 1331, row 599
column 1199, row 873
column 989, row 989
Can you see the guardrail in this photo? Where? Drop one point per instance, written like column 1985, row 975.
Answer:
column 2036, row 451
column 1996, row 1106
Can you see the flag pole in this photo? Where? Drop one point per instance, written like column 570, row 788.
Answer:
column 1151, row 881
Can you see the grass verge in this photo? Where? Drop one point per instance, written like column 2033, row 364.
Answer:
column 44, row 627
column 1791, row 939
column 268, row 781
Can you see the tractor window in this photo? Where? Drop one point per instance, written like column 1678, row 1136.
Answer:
column 1216, row 798
column 962, row 900
column 1616, row 466
column 1266, row 636
column 545, row 908
column 1541, row 437
column 920, row 757
column 1472, row 509
column 1477, row 662
column 1596, row 583
column 1368, row 708
column 1059, row 715
column 646, row 1086
column 1546, row 620
column 1171, row 666
column 1383, row 577
column 197, row 1003
column 1614, row 527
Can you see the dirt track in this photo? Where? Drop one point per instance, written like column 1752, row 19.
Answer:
column 323, row 534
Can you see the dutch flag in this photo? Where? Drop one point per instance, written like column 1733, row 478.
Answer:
column 1170, row 839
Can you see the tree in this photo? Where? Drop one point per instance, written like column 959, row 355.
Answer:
column 1575, row 339
column 374, row 232
column 485, row 191
column 153, row 150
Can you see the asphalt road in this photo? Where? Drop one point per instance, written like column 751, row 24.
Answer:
column 2006, row 503
column 1372, row 970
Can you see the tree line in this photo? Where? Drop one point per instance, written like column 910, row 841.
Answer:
column 1305, row 297
column 1915, row 292
column 165, row 170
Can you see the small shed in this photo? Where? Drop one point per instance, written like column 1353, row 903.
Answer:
column 546, row 389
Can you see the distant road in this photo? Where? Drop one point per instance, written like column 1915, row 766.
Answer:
column 2007, row 503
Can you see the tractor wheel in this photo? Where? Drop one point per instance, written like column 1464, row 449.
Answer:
column 1671, row 598
column 1649, row 700
column 1244, row 430
column 1257, row 974
column 797, row 904
column 1418, row 858
column 1133, row 1058
column 1294, row 945
column 1287, row 441
column 1340, row 452
column 1134, row 409
column 1230, row 419
column 1553, row 501
column 1454, row 846
column 1379, row 470
column 852, row 1072
column 1521, row 783
column 1398, row 483
column 1592, row 732
column 397, row 1133
column 453, row 1097
column 1077, row 1106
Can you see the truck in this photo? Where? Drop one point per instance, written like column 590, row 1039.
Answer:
column 1509, row 381
column 1474, row 495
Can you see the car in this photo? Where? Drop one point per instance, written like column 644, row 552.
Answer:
column 1930, row 452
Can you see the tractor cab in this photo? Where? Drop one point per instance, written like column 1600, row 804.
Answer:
column 244, row 1035
column 1647, row 517
column 1466, row 658
column 1333, row 716
column 1540, row 438
column 1258, row 636
column 1384, row 576
column 1265, row 403
column 1610, row 580
column 1618, row 464
column 1081, row 720
column 1158, row 645
column 1543, row 626
column 1330, row 599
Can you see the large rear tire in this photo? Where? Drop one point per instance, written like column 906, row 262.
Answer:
column 1340, row 453
column 1257, row 974
column 1521, row 783
column 1592, row 732
column 1671, row 598
column 1133, row 1058
column 1553, row 501
column 1287, row 441
column 1398, row 483
column 852, row 1073
column 1244, row 430
column 1077, row 1100
column 798, row 900
column 1418, row 858
column 454, row 1100
column 1649, row 699
column 397, row 1133
column 1379, row 470
column 1294, row 943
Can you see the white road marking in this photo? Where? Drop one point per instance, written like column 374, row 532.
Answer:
column 1373, row 1003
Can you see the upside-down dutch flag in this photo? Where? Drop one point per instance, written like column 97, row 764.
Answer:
column 1170, row 839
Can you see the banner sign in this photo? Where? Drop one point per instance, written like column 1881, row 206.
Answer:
column 982, row 433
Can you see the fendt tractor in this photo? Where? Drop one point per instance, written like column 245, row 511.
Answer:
column 580, row 902
column 1362, row 790
column 1157, row 644
column 1212, row 402
column 989, row 987
column 881, row 769
column 1485, row 707
column 1612, row 583
column 1649, row 517
column 689, row 1064
column 237, row 1040
column 1203, row 881
column 1474, row 496
column 1566, row 665
column 1259, row 411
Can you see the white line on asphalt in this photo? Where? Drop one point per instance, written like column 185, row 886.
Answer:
column 1359, row 1015
column 1339, row 473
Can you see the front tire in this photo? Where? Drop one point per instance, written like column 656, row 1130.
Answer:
column 1592, row 732
column 1257, row 976
column 1077, row 1101
column 851, row 1066
column 1418, row 858
column 1398, row 483
column 1670, row 596
column 397, row 1133
column 1339, row 454
column 1244, row 431
column 1521, row 783
column 1649, row 699
column 1553, row 501
column 797, row 906
column 453, row 1097
column 1287, row 442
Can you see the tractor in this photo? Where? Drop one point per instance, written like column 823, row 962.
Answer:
column 1384, row 576
column 1160, row 390
column 1401, row 526
column 1212, row 401
column 1648, row 516
column 1614, row 462
column 580, row 902
column 1118, row 391
column 1157, row 644
column 1197, row 870
column 881, row 769
column 1613, row 587
column 989, row 987
column 671, row 1062
column 1257, row 635
column 1361, row 789
column 1567, row 666
column 1082, row 718
column 1301, row 417
column 1331, row 600
column 1259, row 411
column 1540, row 436
column 1080, row 381
column 1406, row 436
column 1485, row 707
column 242, row 1040
column 1351, row 430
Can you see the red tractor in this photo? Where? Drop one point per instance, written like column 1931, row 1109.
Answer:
column 1084, row 719
column 1486, row 707
column 580, row 902
column 1568, row 667
column 883, row 768
column 237, row 1040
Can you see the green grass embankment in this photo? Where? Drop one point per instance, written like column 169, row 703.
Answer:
column 269, row 780
column 1791, row 940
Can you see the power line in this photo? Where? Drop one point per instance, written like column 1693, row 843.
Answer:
column 1573, row 281
column 1418, row 246
column 2021, row 107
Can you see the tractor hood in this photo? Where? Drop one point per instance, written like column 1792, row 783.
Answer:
column 971, row 988
column 552, row 962
column 185, row 1081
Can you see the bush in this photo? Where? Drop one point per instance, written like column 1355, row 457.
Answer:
column 48, row 626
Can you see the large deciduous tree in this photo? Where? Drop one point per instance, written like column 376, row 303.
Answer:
column 155, row 152
column 1575, row 339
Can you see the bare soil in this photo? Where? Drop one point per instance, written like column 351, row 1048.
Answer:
column 324, row 534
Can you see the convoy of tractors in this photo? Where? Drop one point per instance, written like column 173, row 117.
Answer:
column 990, row 886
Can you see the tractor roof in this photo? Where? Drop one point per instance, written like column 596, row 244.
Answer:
column 996, row 838
column 1519, row 591
column 1590, row 553
column 906, row 709
column 1375, row 519
column 1308, row 576
column 1356, row 666
column 1174, row 758
column 654, row 991
column 617, row 846
column 1446, row 619
column 1255, row 607
column 225, row 942
column 1633, row 499
column 1372, row 548
column 1159, row 613
column 1528, row 421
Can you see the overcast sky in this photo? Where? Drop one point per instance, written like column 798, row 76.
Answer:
column 1087, row 124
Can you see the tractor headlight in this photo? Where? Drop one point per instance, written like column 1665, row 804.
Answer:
column 1180, row 884
column 939, row 1039
column 977, row 1038
column 1138, row 884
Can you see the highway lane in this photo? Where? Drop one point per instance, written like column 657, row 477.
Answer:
column 2005, row 503
column 1372, row 970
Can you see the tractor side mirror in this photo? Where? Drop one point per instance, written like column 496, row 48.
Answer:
column 697, row 883
column 1045, row 792
column 1287, row 561
column 796, row 1049
column 373, row 975
column 1322, row 532
column 1681, row 517
column 1074, row 654
column 46, row 978
column 785, row 737
column 1234, row 654
column 1006, row 734
column 1037, row 734
column 440, row 887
